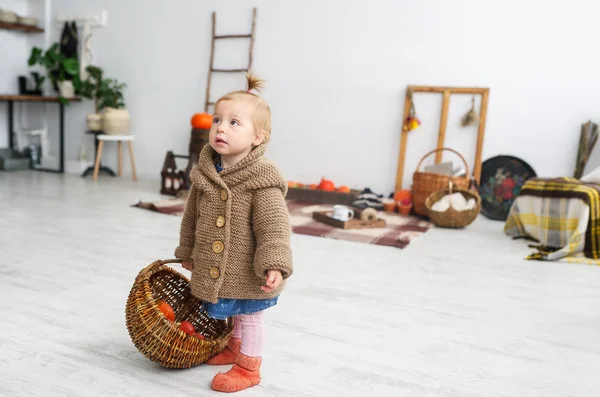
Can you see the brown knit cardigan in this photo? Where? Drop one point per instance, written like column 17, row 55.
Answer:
column 235, row 227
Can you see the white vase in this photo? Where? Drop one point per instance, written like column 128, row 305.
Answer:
column 116, row 121
column 66, row 89
column 94, row 122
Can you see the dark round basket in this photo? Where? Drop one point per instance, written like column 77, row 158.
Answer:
column 161, row 340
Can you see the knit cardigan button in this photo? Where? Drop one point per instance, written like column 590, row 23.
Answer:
column 220, row 221
column 224, row 195
column 218, row 247
column 214, row 272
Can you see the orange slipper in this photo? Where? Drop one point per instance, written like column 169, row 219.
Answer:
column 244, row 374
column 227, row 356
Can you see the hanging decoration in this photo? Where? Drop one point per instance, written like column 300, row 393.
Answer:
column 86, row 50
column 471, row 117
column 412, row 122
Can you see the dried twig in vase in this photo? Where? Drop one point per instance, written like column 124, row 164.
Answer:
column 587, row 141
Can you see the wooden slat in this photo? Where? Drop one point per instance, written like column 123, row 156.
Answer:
column 34, row 98
column 18, row 26
column 234, row 36
column 252, row 38
column 229, row 70
column 443, row 124
column 480, row 136
column 212, row 57
column 403, row 144
column 453, row 90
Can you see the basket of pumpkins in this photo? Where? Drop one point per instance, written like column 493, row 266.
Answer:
column 167, row 324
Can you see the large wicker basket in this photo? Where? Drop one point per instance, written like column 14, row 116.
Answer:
column 425, row 183
column 452, row 218
column 161, row 340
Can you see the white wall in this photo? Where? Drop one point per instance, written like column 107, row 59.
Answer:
column 337, row 70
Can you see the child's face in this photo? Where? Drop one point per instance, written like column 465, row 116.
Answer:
column 233, row 132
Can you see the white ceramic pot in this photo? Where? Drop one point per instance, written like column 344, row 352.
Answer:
column 116, row 121
column 8, row 16
column 28, row 21
column 66, row 89
column 94, row 122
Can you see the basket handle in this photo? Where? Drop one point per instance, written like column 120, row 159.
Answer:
column 153, row 267
column 450, row 150
column 166, row 261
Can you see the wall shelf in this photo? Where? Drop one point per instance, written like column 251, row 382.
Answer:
column 17, row 26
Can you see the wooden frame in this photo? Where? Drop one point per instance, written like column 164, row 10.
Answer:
column 446, row 92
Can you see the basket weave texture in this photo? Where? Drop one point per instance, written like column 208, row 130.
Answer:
column 452, row 218
column 425, row 183
column 159, row 339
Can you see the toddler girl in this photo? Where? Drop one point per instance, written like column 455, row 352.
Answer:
column 235, row 232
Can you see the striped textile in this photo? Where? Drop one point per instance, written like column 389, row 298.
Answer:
column 562, row 215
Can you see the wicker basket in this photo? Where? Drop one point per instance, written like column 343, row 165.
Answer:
column 159, row 339
column 451, row 217
column 425, row 183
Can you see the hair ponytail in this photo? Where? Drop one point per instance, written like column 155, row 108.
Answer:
column 254, row 82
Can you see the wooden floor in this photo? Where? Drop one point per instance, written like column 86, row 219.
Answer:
column 457, row 314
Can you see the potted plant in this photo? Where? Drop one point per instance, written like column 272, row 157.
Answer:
column 63, row 72
column 110, row 113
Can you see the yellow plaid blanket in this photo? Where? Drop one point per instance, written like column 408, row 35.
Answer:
column 562, row 215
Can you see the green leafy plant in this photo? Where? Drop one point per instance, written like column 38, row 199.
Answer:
column 106, row 93
column 59, row 67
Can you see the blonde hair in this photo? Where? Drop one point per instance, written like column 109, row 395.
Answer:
column 262, row 113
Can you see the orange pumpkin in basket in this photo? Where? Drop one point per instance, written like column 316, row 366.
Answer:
column 202, row 121
column 167, row 310
column 343, row 189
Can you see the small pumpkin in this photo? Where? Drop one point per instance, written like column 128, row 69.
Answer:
column 326, row 185
column 402, row 194
column 313, row 186
column 343, row 189
column 167, row 310
column 202, row 121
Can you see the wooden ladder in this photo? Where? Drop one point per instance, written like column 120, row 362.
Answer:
column 215, row 37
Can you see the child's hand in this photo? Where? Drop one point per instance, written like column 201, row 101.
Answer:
column 188, row 265
column 274, row 280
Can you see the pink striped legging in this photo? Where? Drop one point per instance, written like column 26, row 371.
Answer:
column 250, row 329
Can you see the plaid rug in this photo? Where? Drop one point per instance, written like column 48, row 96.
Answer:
column 399, row 230
column 170, row 207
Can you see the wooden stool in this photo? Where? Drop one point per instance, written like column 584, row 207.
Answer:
column 118, row 139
